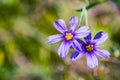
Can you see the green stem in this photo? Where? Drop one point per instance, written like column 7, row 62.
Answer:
column 81, row 17
column 84, row 13
column 86, row 17
column 87, row 1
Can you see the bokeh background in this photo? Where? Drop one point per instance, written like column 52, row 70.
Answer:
column 25, row 53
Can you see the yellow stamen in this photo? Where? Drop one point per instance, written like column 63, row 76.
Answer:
column 68, row 36
column 89, row 47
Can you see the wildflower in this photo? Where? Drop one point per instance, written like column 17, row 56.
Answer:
column 89, row 47
column 68, row 37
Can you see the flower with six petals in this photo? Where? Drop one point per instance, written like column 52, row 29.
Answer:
column 89, row 47
column 69, row 36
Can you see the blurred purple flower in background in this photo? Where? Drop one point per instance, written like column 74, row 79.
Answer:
column 68, row 36
column 89, row 47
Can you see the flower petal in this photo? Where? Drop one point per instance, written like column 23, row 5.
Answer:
column 100, row 37
column 81, row 42
column 54, row 38
column 60, row 25
column 73, row 22
column 76, row 45
column 102, row 53
column 76, row 55
column 82, row 32
column 64, row 48
column 88, row 38
column 92, row 60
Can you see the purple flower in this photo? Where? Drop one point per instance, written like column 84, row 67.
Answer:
column 89, row 47
column 68, row 37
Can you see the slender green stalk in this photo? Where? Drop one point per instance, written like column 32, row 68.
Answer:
column 81, row 17
column 84, row 13
column 87, row 1
column 86, row 17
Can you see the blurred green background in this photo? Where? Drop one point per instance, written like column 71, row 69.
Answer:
column 25, row 53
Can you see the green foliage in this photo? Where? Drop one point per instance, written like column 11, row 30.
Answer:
column 90, row 6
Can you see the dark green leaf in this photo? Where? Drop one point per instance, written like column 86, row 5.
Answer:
column 91, row 5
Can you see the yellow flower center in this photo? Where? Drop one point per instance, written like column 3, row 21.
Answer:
column 89, row 47
column 68, row 36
